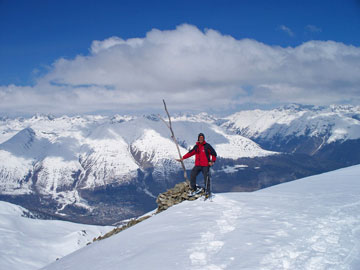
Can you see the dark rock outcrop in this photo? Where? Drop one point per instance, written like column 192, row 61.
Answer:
column 174, row 196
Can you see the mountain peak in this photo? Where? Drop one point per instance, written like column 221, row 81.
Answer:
column 42, row 116
column 23, row 138
column 296, row 107
column 200, row 117
column 152, row 117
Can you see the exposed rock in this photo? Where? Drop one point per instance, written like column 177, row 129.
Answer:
column 129, row 224
column 174, row 196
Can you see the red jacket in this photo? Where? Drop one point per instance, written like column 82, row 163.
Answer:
column 203, row 152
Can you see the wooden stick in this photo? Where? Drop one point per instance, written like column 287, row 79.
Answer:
column 174, row 139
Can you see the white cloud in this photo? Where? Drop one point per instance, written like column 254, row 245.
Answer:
column 313, row 29
column 287, row 30
column 192, row 70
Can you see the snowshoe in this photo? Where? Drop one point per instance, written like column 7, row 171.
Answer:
column 195, row 192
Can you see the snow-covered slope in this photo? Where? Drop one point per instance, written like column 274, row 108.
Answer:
column 312, row 223
column 95, row 151
column 331, row 124
column 29, row 243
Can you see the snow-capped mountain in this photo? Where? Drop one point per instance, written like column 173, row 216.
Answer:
column 30, row 243
column 101, row 169
column 312, row 223
column 66, row 159
column 101, row 151
column 290, row 127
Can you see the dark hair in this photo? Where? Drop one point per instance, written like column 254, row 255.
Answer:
column 201, row 134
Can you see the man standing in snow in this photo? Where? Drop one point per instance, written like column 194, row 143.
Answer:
column 205, row 157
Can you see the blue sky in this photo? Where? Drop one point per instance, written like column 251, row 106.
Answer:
column 40, row 39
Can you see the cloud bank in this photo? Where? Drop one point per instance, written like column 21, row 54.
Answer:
column 192, row 70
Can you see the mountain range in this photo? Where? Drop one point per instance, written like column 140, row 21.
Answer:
column 102, row 169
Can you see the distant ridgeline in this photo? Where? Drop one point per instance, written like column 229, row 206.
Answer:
column 100, row 170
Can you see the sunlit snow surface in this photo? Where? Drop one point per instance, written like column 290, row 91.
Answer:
column 312, row 223
column 28, row 243
column 334, row 123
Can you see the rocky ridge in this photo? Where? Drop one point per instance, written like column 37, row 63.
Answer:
column 173, row 196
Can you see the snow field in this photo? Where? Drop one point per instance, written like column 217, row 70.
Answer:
column 27, row 243
column 312, row 223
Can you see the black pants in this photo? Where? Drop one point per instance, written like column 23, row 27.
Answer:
column 194, row 173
